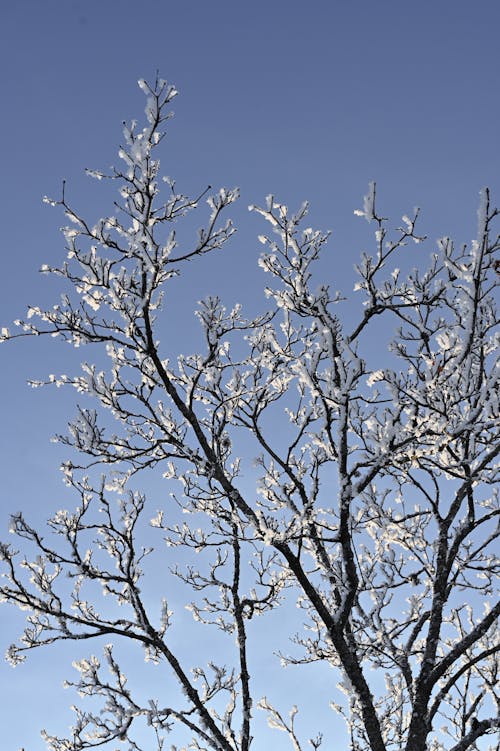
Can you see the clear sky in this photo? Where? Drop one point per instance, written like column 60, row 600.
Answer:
column 304, row 100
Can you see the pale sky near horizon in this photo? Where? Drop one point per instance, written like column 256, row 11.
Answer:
column 305, row 101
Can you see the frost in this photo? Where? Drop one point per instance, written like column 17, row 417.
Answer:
column 377, row 375
column 157, row 521
column 96, row 174
column 409, row 224
column 445, row 340
column 368, row 210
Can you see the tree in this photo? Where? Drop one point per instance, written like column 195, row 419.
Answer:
column 372, row 503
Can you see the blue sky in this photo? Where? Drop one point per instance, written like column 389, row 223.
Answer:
column 307, row 101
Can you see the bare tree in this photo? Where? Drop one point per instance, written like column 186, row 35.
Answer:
column 372, row 505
